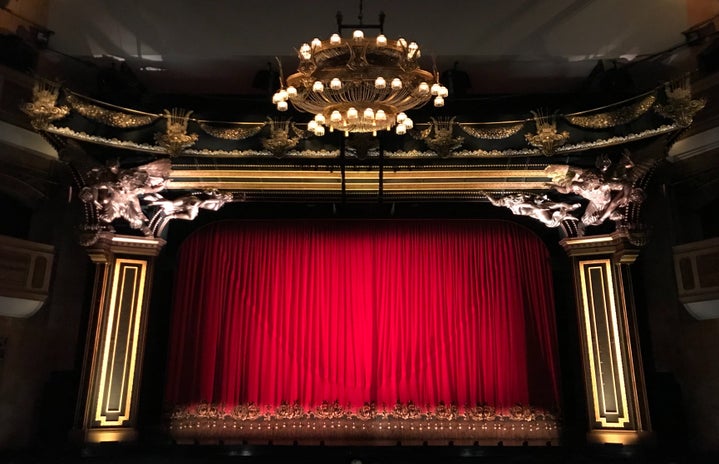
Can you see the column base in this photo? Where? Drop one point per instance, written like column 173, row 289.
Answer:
column 619, row 437
column 110, row 435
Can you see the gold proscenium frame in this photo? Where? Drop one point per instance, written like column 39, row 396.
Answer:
column 249, row 179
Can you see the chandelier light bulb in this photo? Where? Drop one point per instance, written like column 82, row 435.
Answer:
column 358, row 35
column 380, row 116
column 318, row 87
column 352, row 113
column 435, row 89
column 282, row 106
column 438, row 101
column 402, row 42
column 369, row 113
column 380, row 83
column 306, row 51
column 312, row 125
column 335, row 39
column 381, row 40
column 401, row 117
column 336, row 116
column 396, row 83
column 443, row 92
column 283, row 94
column 291, row 91
column 335, row 84
column 276, row 97
column 319, row 131
column 408, row 123
column 320, row 118
column 401, row 129
column 316, row 43
column 423, row 88
column 413, row 50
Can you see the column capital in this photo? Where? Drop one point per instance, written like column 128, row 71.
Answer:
column 109, row 244
column 621, row 245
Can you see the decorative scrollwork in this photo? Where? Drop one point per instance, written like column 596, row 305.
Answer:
column 446, row 412
column 491, row 131
column 617, row 117
column 289, row 411
column 247, row 411
column 123, row 120
column 480, row 412
column 328, row 410
column 405, row 411
column 209, row 411
column 367, row 411
column 522, row 413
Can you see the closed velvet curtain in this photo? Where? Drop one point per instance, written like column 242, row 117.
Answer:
column 457, row 312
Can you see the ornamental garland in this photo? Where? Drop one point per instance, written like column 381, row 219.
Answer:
column 231, row 133
column 618, row 117
column 123, row 120
column 491, row 132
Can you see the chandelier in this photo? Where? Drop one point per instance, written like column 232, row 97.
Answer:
column 359, row 84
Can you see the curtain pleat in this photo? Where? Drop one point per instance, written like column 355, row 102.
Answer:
column 458, row 312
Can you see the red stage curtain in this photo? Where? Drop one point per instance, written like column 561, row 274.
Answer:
column 457, row 312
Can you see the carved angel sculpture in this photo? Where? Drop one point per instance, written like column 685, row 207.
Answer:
column 609, row 191
column 549, row 212
column 186, row 207
column 116, row 192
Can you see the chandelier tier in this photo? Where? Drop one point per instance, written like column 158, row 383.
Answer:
column 359, row 84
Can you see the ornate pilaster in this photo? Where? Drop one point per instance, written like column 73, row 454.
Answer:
column 107, row 409
column 611, row 356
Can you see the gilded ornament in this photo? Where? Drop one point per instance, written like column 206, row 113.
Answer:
column 43, row 109
column 480, row 412
column 246, row 411
column 547, row 138
column 442, row 141
column 175, row 139
column 680, row 107
column 613, row 118
column 279, row 141
column 328, row 410
column 289, row 411
column 122, row 119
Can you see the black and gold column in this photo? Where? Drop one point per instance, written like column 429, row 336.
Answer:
column 116, row 336
column 614, row 379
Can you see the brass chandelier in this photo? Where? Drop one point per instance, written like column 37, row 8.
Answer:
column 359, row 84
